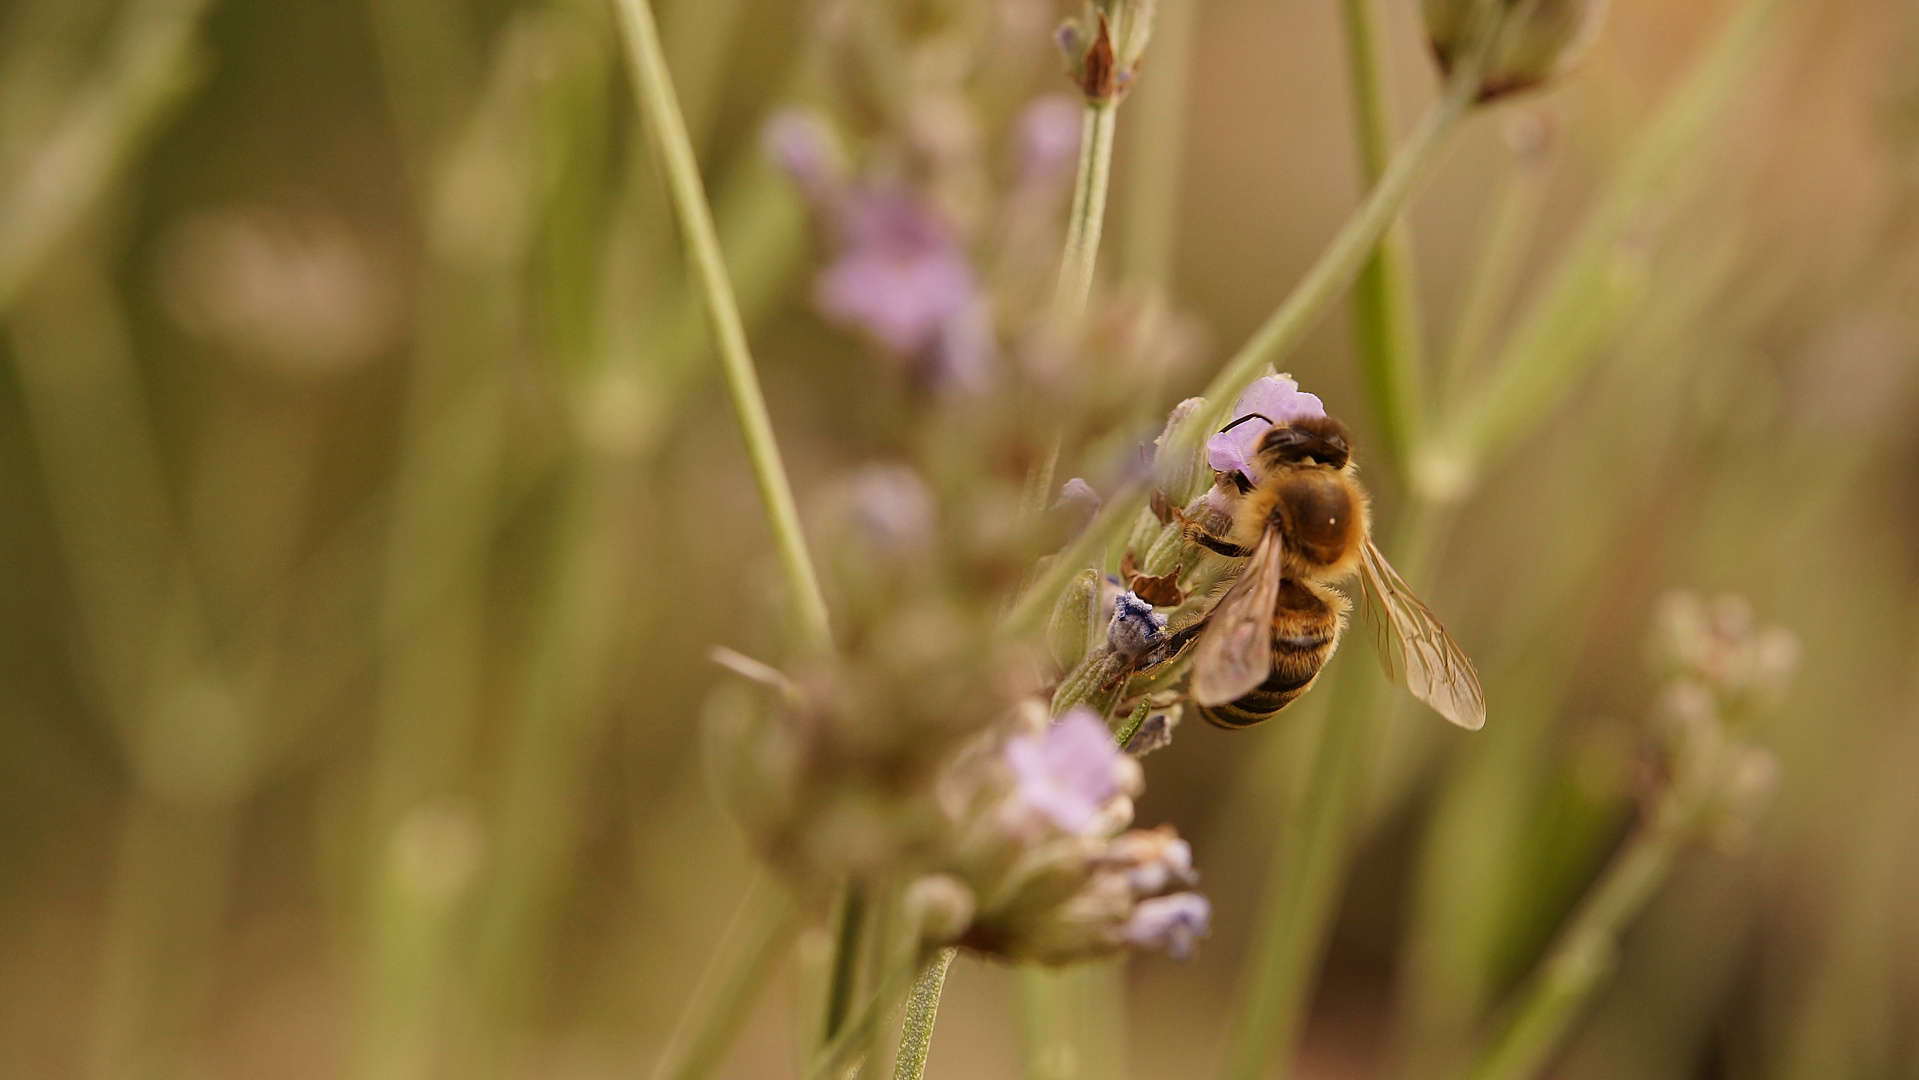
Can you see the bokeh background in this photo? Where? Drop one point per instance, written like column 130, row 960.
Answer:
column 367, row 505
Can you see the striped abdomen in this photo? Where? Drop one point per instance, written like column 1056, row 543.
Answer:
column 1306, row 628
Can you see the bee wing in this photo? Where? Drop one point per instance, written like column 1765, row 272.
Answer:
column 1437, row 671
column 1235, row 650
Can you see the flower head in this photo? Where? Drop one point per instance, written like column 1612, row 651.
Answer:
column 1172, row 923
column 802, row 144
column 1276, row 398
column 1070, row 774
column 1531, row 41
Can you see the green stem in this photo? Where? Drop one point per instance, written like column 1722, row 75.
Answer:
column 842, row 976
column 654, row 87
column 1088, row 217
column 752, row 950
column 846, row 1050
column 922, row 1006
column 1585, row 953
column 1304, row 883
column 1287, row 326
column 1385, row 295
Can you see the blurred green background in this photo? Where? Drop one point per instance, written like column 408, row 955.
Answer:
column 367, row 507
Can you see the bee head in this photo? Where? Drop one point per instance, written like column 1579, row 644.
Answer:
column 1309, row 440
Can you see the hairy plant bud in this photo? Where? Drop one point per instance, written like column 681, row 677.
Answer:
column 1526, row 42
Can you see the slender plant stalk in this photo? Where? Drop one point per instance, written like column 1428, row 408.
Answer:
column 754, row 945
column 1586, row 952
column 1385, row 294
column 1088, row 217
column 922, row 1006
column 1555, row 341
column 1304, row 884
column 846, row 1050
column 654, row 87
column 1296, row 316
column 843, row 975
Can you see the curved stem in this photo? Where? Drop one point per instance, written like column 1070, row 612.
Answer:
column 846, row 950
column 922, row 1006
column 1386, row 317
column 654, row 87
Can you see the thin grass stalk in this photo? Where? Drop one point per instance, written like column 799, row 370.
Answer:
column 752, row 949
column 1585, row 954
column 1388, row 337
column 1088, row 216
column 654, row 87
column 922, row 1008
column 1555, row 340
column 1303, row 887
column 846, row 1053
column 842, row 978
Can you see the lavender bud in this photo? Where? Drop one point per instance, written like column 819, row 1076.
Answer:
column 1171, row 923
column 1135, row 629
column 1154, row 860
column 1047, row 138
column 941, row 906
column 1526, row 42
column 1071, row 631
column 1155, row 733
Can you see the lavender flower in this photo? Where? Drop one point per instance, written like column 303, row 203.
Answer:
column 1172, row 923
column 1071, row 775
column 1135, row 629
column 903, row 280
column 1278, row 399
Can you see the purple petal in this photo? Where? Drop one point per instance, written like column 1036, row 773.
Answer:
column 1069, row 773
column 1278, row 399
column 1047, row 137
column 1172, row 923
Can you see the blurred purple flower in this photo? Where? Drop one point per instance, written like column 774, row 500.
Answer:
column 1046, row 138
column 893, row 506
column 1172, row 923
column 1069, row 773
column 1154, row 859
column 1275, row 397
column 903, row 279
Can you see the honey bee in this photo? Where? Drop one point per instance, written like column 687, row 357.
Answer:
column 1303, row 526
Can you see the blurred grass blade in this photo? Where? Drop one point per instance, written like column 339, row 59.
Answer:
column 151, row 66
column 754, row 945
column 1557, row 339
column 654, row 87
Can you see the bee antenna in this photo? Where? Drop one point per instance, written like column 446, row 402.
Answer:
column 1248, row 416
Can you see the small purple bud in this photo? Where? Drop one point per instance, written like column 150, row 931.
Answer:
column 1172, row 923
column 1277, row 398
column 1155, row 860
column 1135, row 628
column 893, row 506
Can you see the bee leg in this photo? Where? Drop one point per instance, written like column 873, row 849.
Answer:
column 1207, row 540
